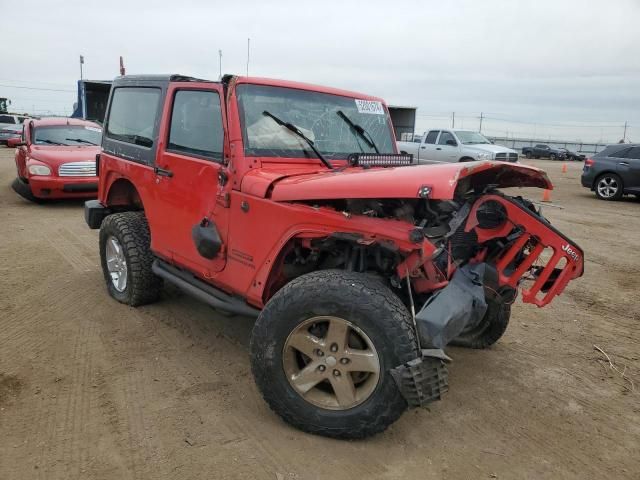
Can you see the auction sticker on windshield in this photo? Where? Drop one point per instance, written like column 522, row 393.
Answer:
column 369, row 106
column 93, row 129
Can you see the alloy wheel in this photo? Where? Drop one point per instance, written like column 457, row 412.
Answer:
column 116, row 264
column 331, row 363
column 607, row 187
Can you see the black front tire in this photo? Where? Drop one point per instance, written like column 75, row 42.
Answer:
column 23, row 189
column 489, row 330
column 132, row 232
column 367, row 303
column 528, row 155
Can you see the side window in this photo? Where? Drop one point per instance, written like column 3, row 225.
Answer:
column 447, row 137
column 620, row 153
column 196, row 124
column 431, row 136
column 132, row 115
column 634, row 153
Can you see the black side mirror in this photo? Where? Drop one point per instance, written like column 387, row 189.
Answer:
column 452, row 143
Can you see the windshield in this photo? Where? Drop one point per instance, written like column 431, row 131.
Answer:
column 472, row 138
column 67, row 135
column 316, row 116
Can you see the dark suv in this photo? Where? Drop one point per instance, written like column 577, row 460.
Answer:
column 613, row 172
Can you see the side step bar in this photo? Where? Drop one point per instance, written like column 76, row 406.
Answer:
column 202, row 290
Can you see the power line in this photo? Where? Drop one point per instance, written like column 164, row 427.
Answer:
column 37, row 88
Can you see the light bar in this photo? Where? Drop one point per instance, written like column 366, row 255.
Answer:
column 380, row 159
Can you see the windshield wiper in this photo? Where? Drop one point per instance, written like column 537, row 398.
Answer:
column 81, row 140
column 292, row 128
column 359, row 130
column 51, row 142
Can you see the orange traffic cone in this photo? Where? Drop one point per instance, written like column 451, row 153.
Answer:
column 546, row 196
column 564, row 168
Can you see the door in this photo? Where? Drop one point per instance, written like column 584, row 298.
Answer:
column 427, row 149
column 22, row 152
column 190, row 183
column 629, row 169
column 447, row 148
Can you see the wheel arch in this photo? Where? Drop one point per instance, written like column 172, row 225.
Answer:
column 466, row 158
column 122, row 195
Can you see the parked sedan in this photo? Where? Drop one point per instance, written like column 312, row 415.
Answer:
column 9, row 132
column 613, row 172
column 569, row 155
column 57, row 159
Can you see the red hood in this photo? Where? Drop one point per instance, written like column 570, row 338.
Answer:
column 400, row 182
column 55, row 156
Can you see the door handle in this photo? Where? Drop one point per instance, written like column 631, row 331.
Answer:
column 624, row 164
column 423, row 147
column 438, row 148
column 162, row 172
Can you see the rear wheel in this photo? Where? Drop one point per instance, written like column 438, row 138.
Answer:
column 125, row 254
column 609, row 187
column 322, row 350
column 528, row 155
column 553, row 156
column 489, row 330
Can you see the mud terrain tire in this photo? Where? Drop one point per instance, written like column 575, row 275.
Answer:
column 131, row 231
column 370, row 306
column 490, row 329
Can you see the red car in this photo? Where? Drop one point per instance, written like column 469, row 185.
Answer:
column 290, row 203
column 56, row 158
column 10, row 133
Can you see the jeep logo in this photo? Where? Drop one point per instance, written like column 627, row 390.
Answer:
column 571, row 252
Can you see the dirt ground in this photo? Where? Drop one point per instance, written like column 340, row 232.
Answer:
column 92, row 389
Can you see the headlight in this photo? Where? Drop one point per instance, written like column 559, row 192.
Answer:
column 484, row 156
column 39, row 170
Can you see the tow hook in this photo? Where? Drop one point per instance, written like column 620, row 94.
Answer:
column 423, row 380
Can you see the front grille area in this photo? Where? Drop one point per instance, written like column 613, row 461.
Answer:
column 78, row 169
column 511, row 157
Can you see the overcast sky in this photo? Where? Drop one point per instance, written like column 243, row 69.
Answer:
column 556, row 69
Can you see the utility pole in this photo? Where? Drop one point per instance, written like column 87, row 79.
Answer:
column 248, row 47
column 122, row 69
column 220, row 64
column 624, row 136
column 81, row 63
column 453, row 119
column 480, row 122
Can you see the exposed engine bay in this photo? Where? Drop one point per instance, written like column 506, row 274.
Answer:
column 500, row 236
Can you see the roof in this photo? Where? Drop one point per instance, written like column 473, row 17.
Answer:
column 248, row 80
column 305, row 86
column 57, row 121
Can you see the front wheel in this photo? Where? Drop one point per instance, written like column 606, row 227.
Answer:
column 322, row 350
column 528, row 155
column 125, row 254
column 553, row 156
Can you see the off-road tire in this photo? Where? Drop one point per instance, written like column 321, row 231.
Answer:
column 489, row 330
column 364, row 301
column 132, row 232
column 24, row 190
column 618, row 195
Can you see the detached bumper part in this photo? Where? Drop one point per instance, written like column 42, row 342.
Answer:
column 459, row 305
column 423, row 380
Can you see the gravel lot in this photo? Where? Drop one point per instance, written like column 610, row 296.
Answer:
column 92, row 389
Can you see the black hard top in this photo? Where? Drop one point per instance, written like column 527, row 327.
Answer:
column 162, row 78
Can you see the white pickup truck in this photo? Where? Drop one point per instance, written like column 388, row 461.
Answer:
column 451, row 145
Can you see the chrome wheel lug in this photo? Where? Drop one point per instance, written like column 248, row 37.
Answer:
column 322, row 368
column 336, row 373
column 334, row 347
column 319, row 353
column 344, row 361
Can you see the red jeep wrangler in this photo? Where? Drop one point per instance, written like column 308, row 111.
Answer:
column 288, row 202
